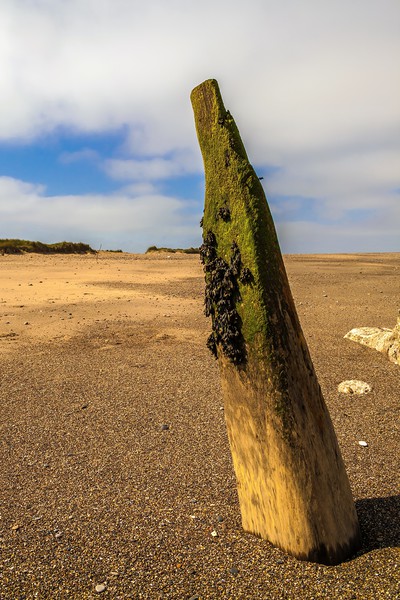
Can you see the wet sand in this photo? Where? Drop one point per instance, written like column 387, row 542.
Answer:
column 115, row 466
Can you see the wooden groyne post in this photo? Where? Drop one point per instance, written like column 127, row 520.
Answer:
column 292, row 484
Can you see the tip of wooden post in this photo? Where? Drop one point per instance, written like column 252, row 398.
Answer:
column 207, row 84
column 207, row 104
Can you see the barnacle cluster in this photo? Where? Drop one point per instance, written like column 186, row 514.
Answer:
column 221, row 296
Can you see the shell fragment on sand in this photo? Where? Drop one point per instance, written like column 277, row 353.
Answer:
column 354, row 386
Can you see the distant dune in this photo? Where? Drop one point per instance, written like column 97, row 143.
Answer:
column 173, row 250
column 21, row 246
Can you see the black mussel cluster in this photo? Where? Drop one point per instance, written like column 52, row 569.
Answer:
column 221, row 296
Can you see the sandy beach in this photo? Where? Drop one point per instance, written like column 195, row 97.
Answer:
column 116, row 478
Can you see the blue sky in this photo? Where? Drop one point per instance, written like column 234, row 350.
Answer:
column 97, row 140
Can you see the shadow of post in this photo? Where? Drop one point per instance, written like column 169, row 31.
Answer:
column 379, row 522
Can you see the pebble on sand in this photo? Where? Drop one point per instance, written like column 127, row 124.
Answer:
column 100, row 587
column 363, row 444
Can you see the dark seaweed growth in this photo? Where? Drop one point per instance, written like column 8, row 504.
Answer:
column 208, row 249
column 246, row 276
column 236, row 260
column 227, row 159
column 201, row 222
column 212, row 345
column 224, row 213
column 223, row 118
column 221, row 296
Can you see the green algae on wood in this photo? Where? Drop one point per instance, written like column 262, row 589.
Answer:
column 292, row 484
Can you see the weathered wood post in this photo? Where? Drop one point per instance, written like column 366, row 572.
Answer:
column 292, row 484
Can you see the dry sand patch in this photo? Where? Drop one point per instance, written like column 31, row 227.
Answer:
column 52, row 297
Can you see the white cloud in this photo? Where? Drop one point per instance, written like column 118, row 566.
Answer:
column 140, row 188
column 341, row 182
column 311, row 237
column 299, row 71
column 314, row 87
column 125, row 220
column 180, row 163
column 16, row 197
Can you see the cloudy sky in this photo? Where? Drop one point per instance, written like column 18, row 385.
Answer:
column 97, row 140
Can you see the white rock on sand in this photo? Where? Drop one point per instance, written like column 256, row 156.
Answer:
column 384, row 340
